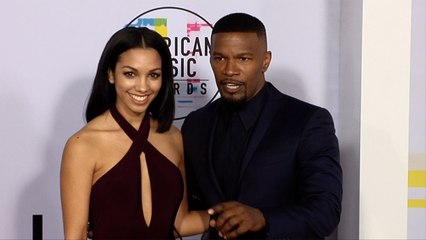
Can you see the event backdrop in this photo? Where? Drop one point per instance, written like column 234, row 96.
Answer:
column 50, row 50
column 49, row 53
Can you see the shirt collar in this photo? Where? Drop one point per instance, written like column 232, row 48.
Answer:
column 251, row 110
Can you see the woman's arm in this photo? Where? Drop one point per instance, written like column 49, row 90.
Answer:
column 188, row 222
column 76, row 181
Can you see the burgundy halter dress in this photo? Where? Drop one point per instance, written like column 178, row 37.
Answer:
column 115, row 201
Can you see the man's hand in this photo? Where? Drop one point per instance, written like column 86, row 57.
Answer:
column 234, row 219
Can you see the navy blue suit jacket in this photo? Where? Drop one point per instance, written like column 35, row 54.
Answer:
column 290, row 171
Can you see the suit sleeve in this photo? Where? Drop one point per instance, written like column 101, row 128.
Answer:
column 319, row 184
column 195, row 202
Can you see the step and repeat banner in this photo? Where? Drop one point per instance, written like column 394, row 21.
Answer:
column 49, row 53
column 187, row 34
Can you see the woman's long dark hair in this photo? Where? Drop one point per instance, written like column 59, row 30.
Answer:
column 103, row 95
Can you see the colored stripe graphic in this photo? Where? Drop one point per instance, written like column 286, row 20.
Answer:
column 161, row 26
column 416, row 203
column 417, row 178
column 157, row 24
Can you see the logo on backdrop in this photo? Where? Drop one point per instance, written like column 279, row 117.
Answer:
column 188, row 36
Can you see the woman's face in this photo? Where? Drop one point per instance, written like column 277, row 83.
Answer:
column 137, row 77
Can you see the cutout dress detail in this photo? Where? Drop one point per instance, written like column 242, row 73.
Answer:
column 115, row 202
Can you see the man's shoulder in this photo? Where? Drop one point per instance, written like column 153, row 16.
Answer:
column 287, row 101
column 205, row 111
column 201, row 117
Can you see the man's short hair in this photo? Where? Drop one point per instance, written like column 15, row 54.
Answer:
column 240, row 22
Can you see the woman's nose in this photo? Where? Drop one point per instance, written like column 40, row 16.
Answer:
column 141, row 84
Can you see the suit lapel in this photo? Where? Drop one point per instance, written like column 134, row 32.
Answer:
column 266, row 117
column 211, row 172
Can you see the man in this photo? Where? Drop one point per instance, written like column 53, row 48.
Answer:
column 266, row 165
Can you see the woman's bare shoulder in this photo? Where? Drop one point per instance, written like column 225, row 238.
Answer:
column 89, row 139
column 174, row 133
column 169, row 143
column 172, row 136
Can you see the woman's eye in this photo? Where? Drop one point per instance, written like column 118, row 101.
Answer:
column 155, row 75
column 129, row 74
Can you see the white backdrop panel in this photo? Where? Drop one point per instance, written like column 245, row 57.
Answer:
column 49, row 52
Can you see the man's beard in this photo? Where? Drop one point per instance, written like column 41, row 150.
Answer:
column 234, row 104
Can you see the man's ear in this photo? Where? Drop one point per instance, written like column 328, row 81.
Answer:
column 267, row 61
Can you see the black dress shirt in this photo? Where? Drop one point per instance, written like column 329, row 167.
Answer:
column 232, row 135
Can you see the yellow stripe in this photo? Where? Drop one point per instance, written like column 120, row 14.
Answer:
column 416, row 203
column 162, row 30
column 417, row 178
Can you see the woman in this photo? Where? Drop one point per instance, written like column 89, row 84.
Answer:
column 123, row 172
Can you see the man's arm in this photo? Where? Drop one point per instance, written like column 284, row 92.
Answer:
column 319, row 184
column 316, row 212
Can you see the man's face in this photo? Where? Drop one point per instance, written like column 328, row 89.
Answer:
column 239, row 60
